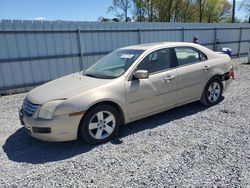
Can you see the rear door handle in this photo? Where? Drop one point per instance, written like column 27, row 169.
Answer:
column 206, row 68
column 168, row 78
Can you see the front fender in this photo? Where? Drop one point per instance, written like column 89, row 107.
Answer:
column 113, row 92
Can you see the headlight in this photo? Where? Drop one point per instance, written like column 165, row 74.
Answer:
column 46, row 111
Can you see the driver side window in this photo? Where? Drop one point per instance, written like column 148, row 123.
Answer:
column 156, row 61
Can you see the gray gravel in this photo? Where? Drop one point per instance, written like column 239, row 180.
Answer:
column 190, row 146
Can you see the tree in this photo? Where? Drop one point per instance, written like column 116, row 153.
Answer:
column 177, row 10
column 150, row 9
column 160, row 10
column 186, row 10
column 115, row 20
column 229, row 20
column 202, row 4
column 121, row 9
column 164, row 10
column 103, row 19
column 139, row 10
column 144, row 10
column 217, row 10
column 173, row 10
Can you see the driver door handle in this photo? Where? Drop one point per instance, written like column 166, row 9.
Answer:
column 206, row 68
column 168, row 78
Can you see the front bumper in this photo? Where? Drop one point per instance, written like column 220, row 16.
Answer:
column 60, row 128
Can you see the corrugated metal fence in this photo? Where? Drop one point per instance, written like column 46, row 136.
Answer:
column 34, row 52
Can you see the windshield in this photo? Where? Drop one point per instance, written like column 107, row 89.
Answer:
column 114, row 64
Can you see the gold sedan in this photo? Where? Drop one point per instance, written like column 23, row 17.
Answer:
column 126, row 85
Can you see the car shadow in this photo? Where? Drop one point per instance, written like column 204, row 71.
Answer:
column 20, row 147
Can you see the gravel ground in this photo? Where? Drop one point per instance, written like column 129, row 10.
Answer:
column 190, row 146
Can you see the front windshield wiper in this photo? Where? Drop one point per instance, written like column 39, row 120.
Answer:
column 99, row 76
column 91, row 75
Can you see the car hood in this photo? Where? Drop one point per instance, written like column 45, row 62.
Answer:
column 64, row 87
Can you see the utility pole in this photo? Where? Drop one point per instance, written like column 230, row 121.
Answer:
column 233, row 11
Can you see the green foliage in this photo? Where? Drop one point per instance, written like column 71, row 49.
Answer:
column 229, row 20
column 173, row 10
column 216, row 10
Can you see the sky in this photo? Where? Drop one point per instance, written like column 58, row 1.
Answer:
column 76, row 10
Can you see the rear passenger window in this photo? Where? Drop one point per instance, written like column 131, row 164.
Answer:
column 186, row 55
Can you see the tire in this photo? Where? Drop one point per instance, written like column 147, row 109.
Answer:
column 212, row 92
column 100, row 124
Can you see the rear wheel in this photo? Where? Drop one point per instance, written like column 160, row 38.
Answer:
column 100, row 124
column 212, row 92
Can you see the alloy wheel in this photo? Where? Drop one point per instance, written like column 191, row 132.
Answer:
column 214, row 92
column 102, row 125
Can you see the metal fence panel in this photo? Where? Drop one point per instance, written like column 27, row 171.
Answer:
column 34, row 52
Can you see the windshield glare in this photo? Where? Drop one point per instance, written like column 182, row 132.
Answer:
column 114, row 64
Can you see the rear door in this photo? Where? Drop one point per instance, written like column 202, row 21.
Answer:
column 193, row 71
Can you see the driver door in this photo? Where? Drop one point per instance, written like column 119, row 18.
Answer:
column 156, row 93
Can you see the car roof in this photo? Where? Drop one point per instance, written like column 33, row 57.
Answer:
column 149, row 46
column 154, row 46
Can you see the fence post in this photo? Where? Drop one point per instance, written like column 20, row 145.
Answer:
column 183, row 34
column 238, row 54
column 215, row 38
column 139, row 35
column 79, row 48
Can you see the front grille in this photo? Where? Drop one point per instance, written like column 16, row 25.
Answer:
column 28, row 107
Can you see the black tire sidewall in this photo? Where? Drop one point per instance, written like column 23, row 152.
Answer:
column 205, row 93
column 84, row 129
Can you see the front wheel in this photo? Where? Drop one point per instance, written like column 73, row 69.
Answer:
column 100, row 124
column 212, row 92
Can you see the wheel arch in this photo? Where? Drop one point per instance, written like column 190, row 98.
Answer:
column 219, row 76
column 106, row 102
column 209, row 79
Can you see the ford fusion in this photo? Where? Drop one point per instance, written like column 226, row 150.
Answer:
column 126, row 85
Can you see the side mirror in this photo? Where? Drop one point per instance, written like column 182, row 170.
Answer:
column 141, row 74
